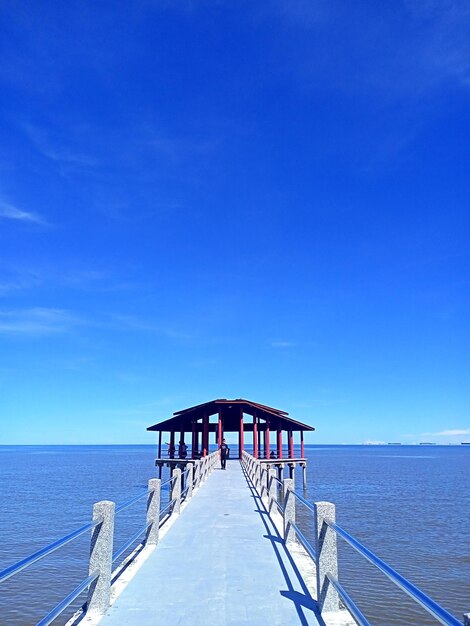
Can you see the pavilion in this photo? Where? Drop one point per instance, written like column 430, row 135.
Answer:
column 231, row 415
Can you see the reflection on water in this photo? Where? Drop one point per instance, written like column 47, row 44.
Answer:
column 410, row 509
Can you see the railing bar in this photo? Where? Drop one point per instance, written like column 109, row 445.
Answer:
column 280, row 508
column 419, row 596
column 304, row 541
column 170, row 480
column 353, row 609
column 168, row 505
column 129, row 542
column 128, row 503
column 36, row 556
column 304, row 501
column 57, row 610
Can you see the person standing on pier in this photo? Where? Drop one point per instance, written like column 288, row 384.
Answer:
column 182, row 450
column 224, row 452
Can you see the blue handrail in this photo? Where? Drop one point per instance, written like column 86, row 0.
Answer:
column 304, row 541
column 131, row 501
column 419, row 596
column 359, row 617
column 131, row 541
column 63, row 604
column 36, row 556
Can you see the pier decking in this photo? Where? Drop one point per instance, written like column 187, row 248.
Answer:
column 223, row 562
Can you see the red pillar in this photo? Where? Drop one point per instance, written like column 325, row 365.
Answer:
column 160, row 445
column 279, row 443
column 219, row 428
column 241, row 435
column 172, row 444
column 255, row 436
column 193, row 443
column 291, row 444
column 267, row 446
column 196, row 439
column 302, row 447
column 205, row 435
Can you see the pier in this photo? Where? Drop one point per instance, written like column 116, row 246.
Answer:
column 220, row 547
column 223, row 542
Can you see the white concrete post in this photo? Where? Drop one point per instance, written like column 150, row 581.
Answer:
column 289, row 510
column 101, row 555
column 197, row 477
column 327, row 556
column 153, row 511
column 176, row 493
column 258, row 477
column 264, row 483
column 189, row 493
column 272, row 490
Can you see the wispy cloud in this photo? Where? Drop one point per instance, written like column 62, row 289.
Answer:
column 59, row 149
column 449, row 433
column 132, row 322
column 283, row 344
column 10, row 212
column 37, row 321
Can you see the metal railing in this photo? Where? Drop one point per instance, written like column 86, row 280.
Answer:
column 102, row 558
column 324, row 552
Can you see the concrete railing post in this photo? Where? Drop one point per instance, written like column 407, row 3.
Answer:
column 327, row 556
column 197, row 477
column 258, row 477
column 272, row 490
column 101, row 556
column 176, row 493
column 264, row 483
column 189, row 493
column 289, row 510
column 153, row 511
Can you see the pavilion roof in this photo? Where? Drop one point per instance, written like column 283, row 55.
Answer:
column 182, row 420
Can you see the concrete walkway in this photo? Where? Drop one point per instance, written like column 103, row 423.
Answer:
column 221, row 563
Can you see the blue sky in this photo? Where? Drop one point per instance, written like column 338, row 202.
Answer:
column 265, row 200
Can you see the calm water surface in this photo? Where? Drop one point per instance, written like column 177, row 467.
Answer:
column 408, row 504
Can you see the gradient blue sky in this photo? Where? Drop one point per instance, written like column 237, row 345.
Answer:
column 266, row 200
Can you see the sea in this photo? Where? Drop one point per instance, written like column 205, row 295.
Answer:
column 408, row 504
